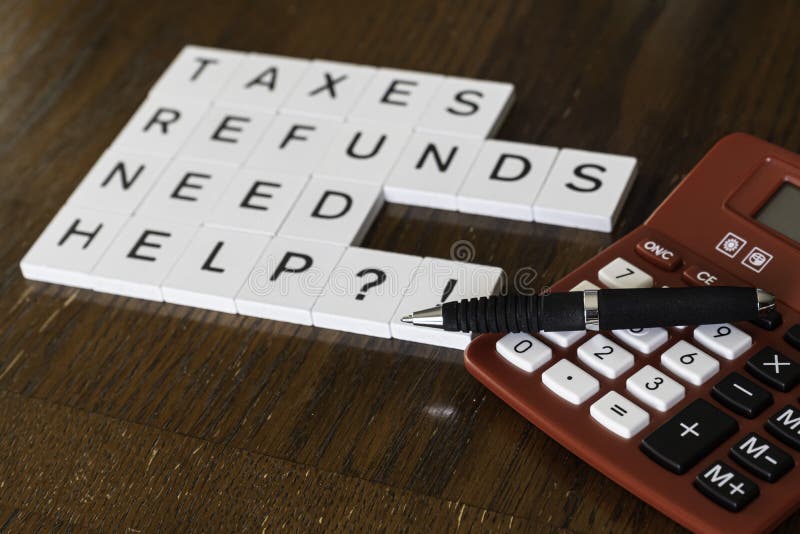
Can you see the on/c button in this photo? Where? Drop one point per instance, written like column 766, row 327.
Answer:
column 658, row 255
column 697, row 276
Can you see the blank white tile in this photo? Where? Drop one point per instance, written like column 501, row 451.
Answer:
column 396, row 97
column 435, row 282
column 226, row 135
column 584, row 285
column 118, row 181
column 161, row 125
column 213, row 267
column 198, row 72
column 294, row 144
column 524, row 351
column 467, row 107
column 287, row 279
column 585, row 190
column 333, row 211
column 430, row 171
column 328, row 89
column 505, row 180
column 358, row 298
column 262, row 82
column 622, row 274
column 188, row 191
column 364, row 152
column 71, row 245
column 257, row 201
column 141, row 256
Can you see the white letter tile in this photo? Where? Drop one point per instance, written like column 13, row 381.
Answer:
column 328, row 89
column 213, row 268
column 467, row 107
column 333, row 211
column 364, row 152
column 585, row 190
column 71, row 246
column 287, row 279
column 430, row 171
column 141, row 256
column 262, row 82
column 505, row 180
column 118, row 181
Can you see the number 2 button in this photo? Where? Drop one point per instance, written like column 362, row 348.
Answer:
column 605, row 356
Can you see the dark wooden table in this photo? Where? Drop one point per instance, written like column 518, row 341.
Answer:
column 118, row 414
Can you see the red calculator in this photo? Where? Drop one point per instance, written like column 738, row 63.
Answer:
column 701, row 422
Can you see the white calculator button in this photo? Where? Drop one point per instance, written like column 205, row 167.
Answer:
column 690, row 363
column 570, row 382
column 644, row 340
column 619, row 415
column 524, row 351
column 621, row 274
column 655, row 389
column 564, row 339
column 605, row 356
column 584, row 284
column 723, row 339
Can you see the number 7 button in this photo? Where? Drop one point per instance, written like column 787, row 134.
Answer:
column 623, row 274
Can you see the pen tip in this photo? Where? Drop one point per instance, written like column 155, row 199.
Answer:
column 408, row 318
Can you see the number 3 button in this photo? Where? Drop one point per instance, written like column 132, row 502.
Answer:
column 605, row 356
column 655, row 389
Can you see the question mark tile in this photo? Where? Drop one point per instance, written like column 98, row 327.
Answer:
column 287, row 279
column 364, row 290
column 437, row 281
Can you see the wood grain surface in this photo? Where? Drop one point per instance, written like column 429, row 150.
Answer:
column 123, row 415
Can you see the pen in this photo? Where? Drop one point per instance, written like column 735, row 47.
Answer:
column 598, row 309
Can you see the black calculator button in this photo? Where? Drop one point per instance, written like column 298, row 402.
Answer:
column 792, row 336
column 761, row 457
column 690, row 435
column 770, row 320
column 785, row 425
column 774, row 369
column 741, row 396
column 726, row 486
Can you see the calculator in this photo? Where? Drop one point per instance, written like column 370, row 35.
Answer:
column 701, row 422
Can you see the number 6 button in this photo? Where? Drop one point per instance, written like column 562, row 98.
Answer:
column 689, row 363
column 655, row 389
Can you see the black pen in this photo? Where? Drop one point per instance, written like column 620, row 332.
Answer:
column 598, row 309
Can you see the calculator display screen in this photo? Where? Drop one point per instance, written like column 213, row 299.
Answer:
column 782, row 211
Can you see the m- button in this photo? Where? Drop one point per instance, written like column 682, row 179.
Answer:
column 657, row 254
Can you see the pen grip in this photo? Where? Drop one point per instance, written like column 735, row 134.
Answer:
column 515, row 313
column 646, row 308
